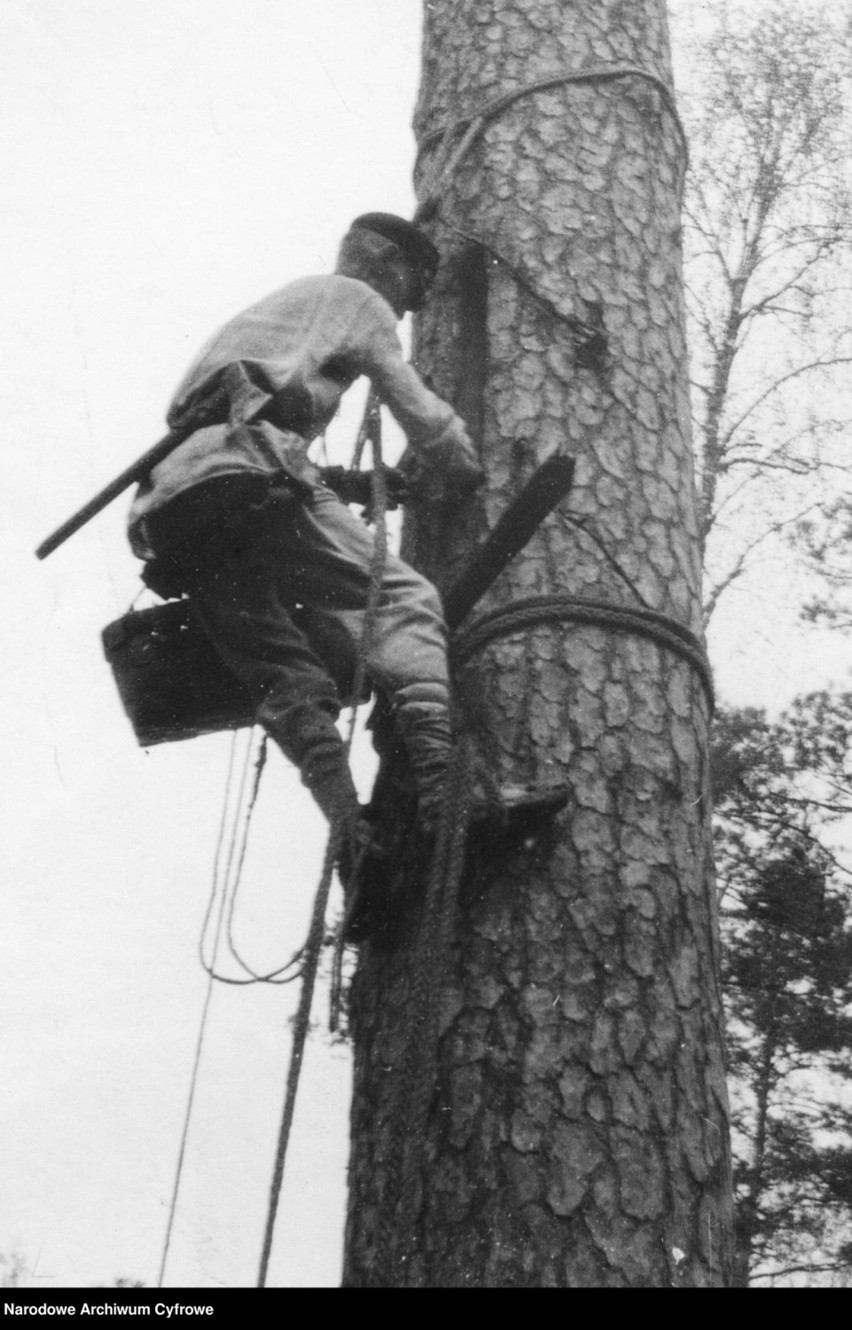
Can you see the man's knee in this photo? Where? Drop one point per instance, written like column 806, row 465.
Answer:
column 293, row 716
column 423, row 594
column 414, row 611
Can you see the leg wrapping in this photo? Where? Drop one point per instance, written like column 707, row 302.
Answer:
column 423, row 716
column 307, row 735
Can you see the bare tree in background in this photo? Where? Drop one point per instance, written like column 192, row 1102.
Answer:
column 539, row 1090
column 768, row 215
column 769, row 270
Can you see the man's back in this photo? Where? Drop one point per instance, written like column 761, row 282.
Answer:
column 309, row 341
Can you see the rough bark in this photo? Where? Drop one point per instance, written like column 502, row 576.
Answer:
column 577, row 1131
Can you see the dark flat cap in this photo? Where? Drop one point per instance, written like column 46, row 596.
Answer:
column 410, row 239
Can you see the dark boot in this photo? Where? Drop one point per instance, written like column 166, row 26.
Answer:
column 309, row 738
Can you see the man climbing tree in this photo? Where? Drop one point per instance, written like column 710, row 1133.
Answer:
column 238, row 516
column 539, row 1084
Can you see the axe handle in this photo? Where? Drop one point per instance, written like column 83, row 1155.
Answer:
column 134, row 473
column 541, row 494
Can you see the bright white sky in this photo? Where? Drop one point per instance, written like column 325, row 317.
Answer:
column 167, row 163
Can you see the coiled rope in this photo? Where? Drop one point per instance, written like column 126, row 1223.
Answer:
column 559, row 607
column 229, row 880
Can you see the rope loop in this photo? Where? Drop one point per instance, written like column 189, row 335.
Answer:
column 559, row 607
column 449, row 159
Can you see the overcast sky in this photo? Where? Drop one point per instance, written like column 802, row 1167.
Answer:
column 167, row 163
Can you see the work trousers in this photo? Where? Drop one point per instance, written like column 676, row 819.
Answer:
column 248, row 568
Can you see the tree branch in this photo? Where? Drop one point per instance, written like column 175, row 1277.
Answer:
column 779, row 383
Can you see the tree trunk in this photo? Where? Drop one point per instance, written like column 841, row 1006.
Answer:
column 573, row 1129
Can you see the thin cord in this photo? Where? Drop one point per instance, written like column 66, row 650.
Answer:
column 220, row 843
column 313, row 946
column 583, row 334
column 232, row 882
column 278, row 976
column 199, row 1043
column 582, row 524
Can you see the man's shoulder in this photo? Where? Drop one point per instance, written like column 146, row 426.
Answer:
column 317, row 289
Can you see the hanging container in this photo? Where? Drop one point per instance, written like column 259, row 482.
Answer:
column 173, row 685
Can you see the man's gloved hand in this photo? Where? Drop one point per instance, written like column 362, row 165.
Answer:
column 463, row 468
column 445, row 471
column 356, row 486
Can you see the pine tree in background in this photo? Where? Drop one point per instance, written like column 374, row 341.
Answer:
column 780, row 788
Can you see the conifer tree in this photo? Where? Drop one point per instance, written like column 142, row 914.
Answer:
column 550, row 1052
column 779, row 788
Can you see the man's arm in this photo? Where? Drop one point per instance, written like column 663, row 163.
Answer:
column 441, row 458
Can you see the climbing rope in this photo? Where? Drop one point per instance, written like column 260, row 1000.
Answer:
column 312, row 949
column 559, row 607
column 449, row 158
column 370, row 429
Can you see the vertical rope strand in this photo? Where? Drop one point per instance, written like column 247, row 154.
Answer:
column 370, row 429
column 313, row 947
column 202, row 1027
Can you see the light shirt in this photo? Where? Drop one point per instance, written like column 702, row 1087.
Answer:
column 289, row 359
